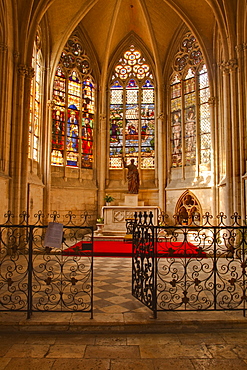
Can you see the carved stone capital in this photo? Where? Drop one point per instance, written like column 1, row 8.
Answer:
column 161, row 116
column 229, row 66
column 3, row 47
column 16, row 54
column 102, row 116
column 30, row 73
column 51, row 104
column 23, row 69
column 241, row 47
column 212, row 100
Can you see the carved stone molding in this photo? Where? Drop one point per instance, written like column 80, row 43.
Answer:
column 51, row 104
column 212, row 100
column 239, row 48
column 30, row 73
column 102, row 116
column 3, row 47
column 23, row 69
column 229, row 66
column 161, row 116
column 16, row 54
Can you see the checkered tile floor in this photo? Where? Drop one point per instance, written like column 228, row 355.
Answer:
column 112, row 286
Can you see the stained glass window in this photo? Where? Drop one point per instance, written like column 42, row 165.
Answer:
column 74, row 107
column 132, row 126
column 35, row 103
column 190, row 114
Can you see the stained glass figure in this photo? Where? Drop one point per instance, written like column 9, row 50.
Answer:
column 58, row 121
column 72, row 136
column 176, row 139
column 176, row 127
column 87, row 142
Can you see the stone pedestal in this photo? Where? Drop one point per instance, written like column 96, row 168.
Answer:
column 115, row 218
column 131, row 200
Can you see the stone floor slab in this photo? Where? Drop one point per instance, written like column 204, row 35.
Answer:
column 174, row 351
column 29, row 364
column 219, row 364
column 173, row 364
column 222, row 350
column 152, row 339
column 111, row 352
column 23, row 350
column 66, row 351
column 81, row 364
column 129, row 364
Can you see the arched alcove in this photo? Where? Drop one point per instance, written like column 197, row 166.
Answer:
column 188, row 210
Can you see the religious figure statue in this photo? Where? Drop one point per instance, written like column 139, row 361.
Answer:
column 133, row 177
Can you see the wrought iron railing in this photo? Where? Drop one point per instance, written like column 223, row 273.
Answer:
column 37, row 277
column 187, row 268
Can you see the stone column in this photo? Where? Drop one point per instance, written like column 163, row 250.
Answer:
column 29, row 74
column 101, row 160
column 4, row 106
column 214, row 158
column 46, row 168
column 19, row 143
column 230, row 137
column 235, row 137
column 241, row 116
column 162, row 165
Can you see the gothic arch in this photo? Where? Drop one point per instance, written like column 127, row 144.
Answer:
column 134, row 39
column 188, row 210
column 81, row 34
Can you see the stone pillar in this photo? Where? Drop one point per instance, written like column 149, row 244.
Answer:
column 162, row 165
column 29, row 75
column 241, row 116
column 19, row 146
column 236, row 203
column 214, row 158
column 229, row 140
column 4, row 105
column 47, row 158
column 101, row 161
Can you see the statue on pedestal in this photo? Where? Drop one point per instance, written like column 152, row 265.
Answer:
column 133, row 177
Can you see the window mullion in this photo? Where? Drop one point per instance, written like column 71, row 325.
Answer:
column 66, row 122
column 183, row 128
column 197, row 108
column 139, row 127
column 124, row 119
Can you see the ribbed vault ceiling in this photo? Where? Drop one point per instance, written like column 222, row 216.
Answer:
column 107, row 23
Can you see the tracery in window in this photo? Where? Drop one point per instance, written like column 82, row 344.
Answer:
column 35, row 103
column 132, row 125
column 74, row 108
column 190, row 113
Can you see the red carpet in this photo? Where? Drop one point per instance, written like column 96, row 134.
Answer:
column 110, row 248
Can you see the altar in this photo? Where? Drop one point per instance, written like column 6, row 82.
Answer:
column 115, row 216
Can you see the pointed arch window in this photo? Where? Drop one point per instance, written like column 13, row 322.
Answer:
column 189, row 106
column 132, row 107
column 35, row 103
column 74, row 108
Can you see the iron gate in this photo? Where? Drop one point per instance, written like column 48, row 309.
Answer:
column 190, row 267
column 144, row 263
column 35, row 277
